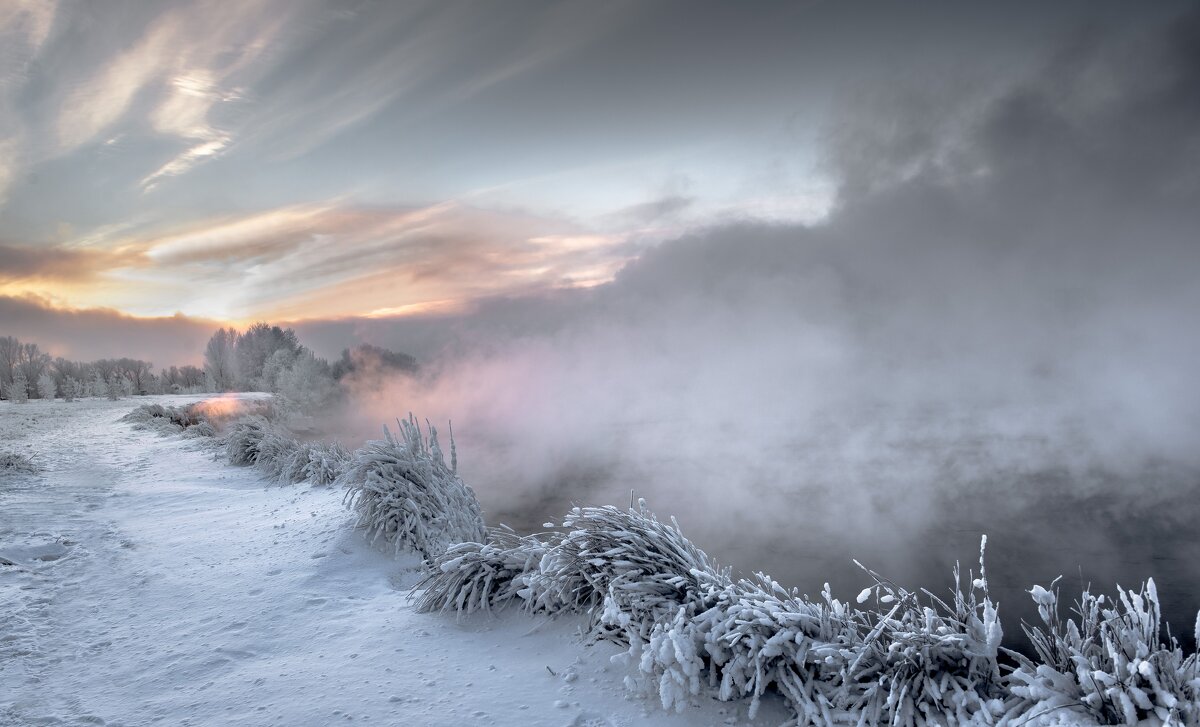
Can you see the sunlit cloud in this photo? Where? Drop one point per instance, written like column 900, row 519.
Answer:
column 324, row 260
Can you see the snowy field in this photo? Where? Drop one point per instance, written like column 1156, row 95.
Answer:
column 143, row 581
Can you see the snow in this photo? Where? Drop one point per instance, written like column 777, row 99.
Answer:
column 144, row 581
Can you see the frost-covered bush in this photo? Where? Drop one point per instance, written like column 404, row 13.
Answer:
column 471, row 577
column 47, row 387
column 253, row 438
column 200, row 429
column 406, row 495
column 155, row 417
column 1113, row 663
column 928, row 661
column 275, row 451
column 625, row 561
column 318, row 463
column 18, row 389
column 171, row 420
column 909, row 659
column 71, row 389
column 17, row 464
column 243, row 443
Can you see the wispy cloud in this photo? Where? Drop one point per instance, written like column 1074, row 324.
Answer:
column 331, row 260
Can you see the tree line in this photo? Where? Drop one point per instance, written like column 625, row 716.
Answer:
column 269, row 358
column 263, row 357
column 28, row 372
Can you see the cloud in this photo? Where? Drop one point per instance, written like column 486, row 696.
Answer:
column 102, row 333
column 24, row 27
column 333, row 260
column 25, row 263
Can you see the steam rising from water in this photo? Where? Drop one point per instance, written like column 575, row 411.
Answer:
column 994, row 332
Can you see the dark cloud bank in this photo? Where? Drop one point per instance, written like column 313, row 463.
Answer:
column 994, row 332
column 103, row 333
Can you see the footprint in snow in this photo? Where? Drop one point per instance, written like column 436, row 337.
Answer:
column 589, row 719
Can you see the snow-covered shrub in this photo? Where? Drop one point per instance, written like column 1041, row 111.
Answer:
column 18, row 389
column 47, row 387
column 471, row 577
column 927, row 661
column 154, row 417
column 1112, row 663
column 170, row 420
column 275, row 450
column 407, row 496
column 641, row 567
column 910, row 659
column 200, row 429
column 17, row 464
column 318, row 463
column 243, row 444
column 71, row 389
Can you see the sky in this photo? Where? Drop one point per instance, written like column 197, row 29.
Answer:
column 209, row 162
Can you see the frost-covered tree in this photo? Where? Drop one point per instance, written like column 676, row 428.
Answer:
column 308, row 385
column 113, row 387
column 18, row 390
column 278, row 364
column 219, row 366
column 71, row 389
column 47, row 389
column 256, row 346
column 96, row 386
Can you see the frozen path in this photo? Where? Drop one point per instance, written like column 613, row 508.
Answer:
column 152, row 584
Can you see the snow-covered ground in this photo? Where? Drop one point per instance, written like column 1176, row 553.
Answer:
column 143, row 581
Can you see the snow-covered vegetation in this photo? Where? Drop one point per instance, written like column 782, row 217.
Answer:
column 1113, row 661
column 26, row 371
column 265, row 357
column 903, row 658
column 408, row 497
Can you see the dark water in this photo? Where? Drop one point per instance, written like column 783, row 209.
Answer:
column 1092, row 527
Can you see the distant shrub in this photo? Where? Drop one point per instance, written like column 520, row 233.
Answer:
column 17, row 390
column 200, row 429
column 406, row 496
column 17, row 464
